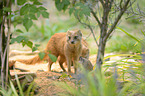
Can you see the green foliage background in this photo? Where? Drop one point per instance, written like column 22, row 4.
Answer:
column 61, row 22
column 125, row 40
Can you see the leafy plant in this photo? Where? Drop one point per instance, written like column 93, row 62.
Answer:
column 19, row 89
column 27, row 12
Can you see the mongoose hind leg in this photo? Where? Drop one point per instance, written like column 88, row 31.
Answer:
column 61, row 60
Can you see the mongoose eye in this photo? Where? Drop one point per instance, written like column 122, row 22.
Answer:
column 69, row 37
column 76, row 37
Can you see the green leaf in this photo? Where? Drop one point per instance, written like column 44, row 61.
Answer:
column 82, row 10
column 30, row 88
column 143, row 32
column 19, row 39
column 24, row 10
column 59, row 5
column 29, row 44
column 65, row 4
column 32, row 16
column 19, row 85
column 18, row 30
column 17, row 11
column 34, row 49
column 41, row 8
column 23, row 40
column 79, row 4
column 62, row 4
column 27, row 23
column 33, row 9
column 18, row 19
column 10, row 16
column 128, row 34
column 37, row 45
column 71, row 11
column 41, row 55
column 81, row 13
column 7, row 9
column 52, row 57
column 21, row 2
column 28, row 9
column 45, row 14
column 12, row 41
column 86, row 10
column 38, row 14
column 13, row 89
column 37, row 3
column 23, row 44
column 76, row 13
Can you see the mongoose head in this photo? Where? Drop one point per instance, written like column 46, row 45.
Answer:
column 74, row 37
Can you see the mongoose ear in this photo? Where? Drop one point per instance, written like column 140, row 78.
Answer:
column 80, row 32
column 67, row 32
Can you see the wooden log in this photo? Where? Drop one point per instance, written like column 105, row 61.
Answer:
column 16, row 52
column 22, row 70
column 22, row 74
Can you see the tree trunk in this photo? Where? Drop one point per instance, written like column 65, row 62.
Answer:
column 100, row 55
column 4, row 43
column 102, row 41
column 105, row 33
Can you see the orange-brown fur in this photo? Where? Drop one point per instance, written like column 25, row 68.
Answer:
column 73, row 48
column 57, row 45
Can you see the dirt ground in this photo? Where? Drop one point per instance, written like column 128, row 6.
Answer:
column 45, row 80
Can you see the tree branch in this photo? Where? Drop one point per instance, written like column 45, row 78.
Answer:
column 111, row 4
column 89, row 28
column 95, row 16
column 117, row 19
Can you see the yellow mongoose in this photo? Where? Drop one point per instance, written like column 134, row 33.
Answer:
column 68, row 46
column 73, row 48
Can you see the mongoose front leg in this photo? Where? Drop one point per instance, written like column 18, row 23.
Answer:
column 75, row 63
column 69, row 62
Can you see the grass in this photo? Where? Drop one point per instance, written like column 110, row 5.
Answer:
column 125, row 79
column 123, row 45
column 20, row 89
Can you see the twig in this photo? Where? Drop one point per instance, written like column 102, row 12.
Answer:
column 93, row 13
column 88, row 36
column 89, row 28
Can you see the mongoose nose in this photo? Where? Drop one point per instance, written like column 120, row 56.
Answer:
column 72, row 42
